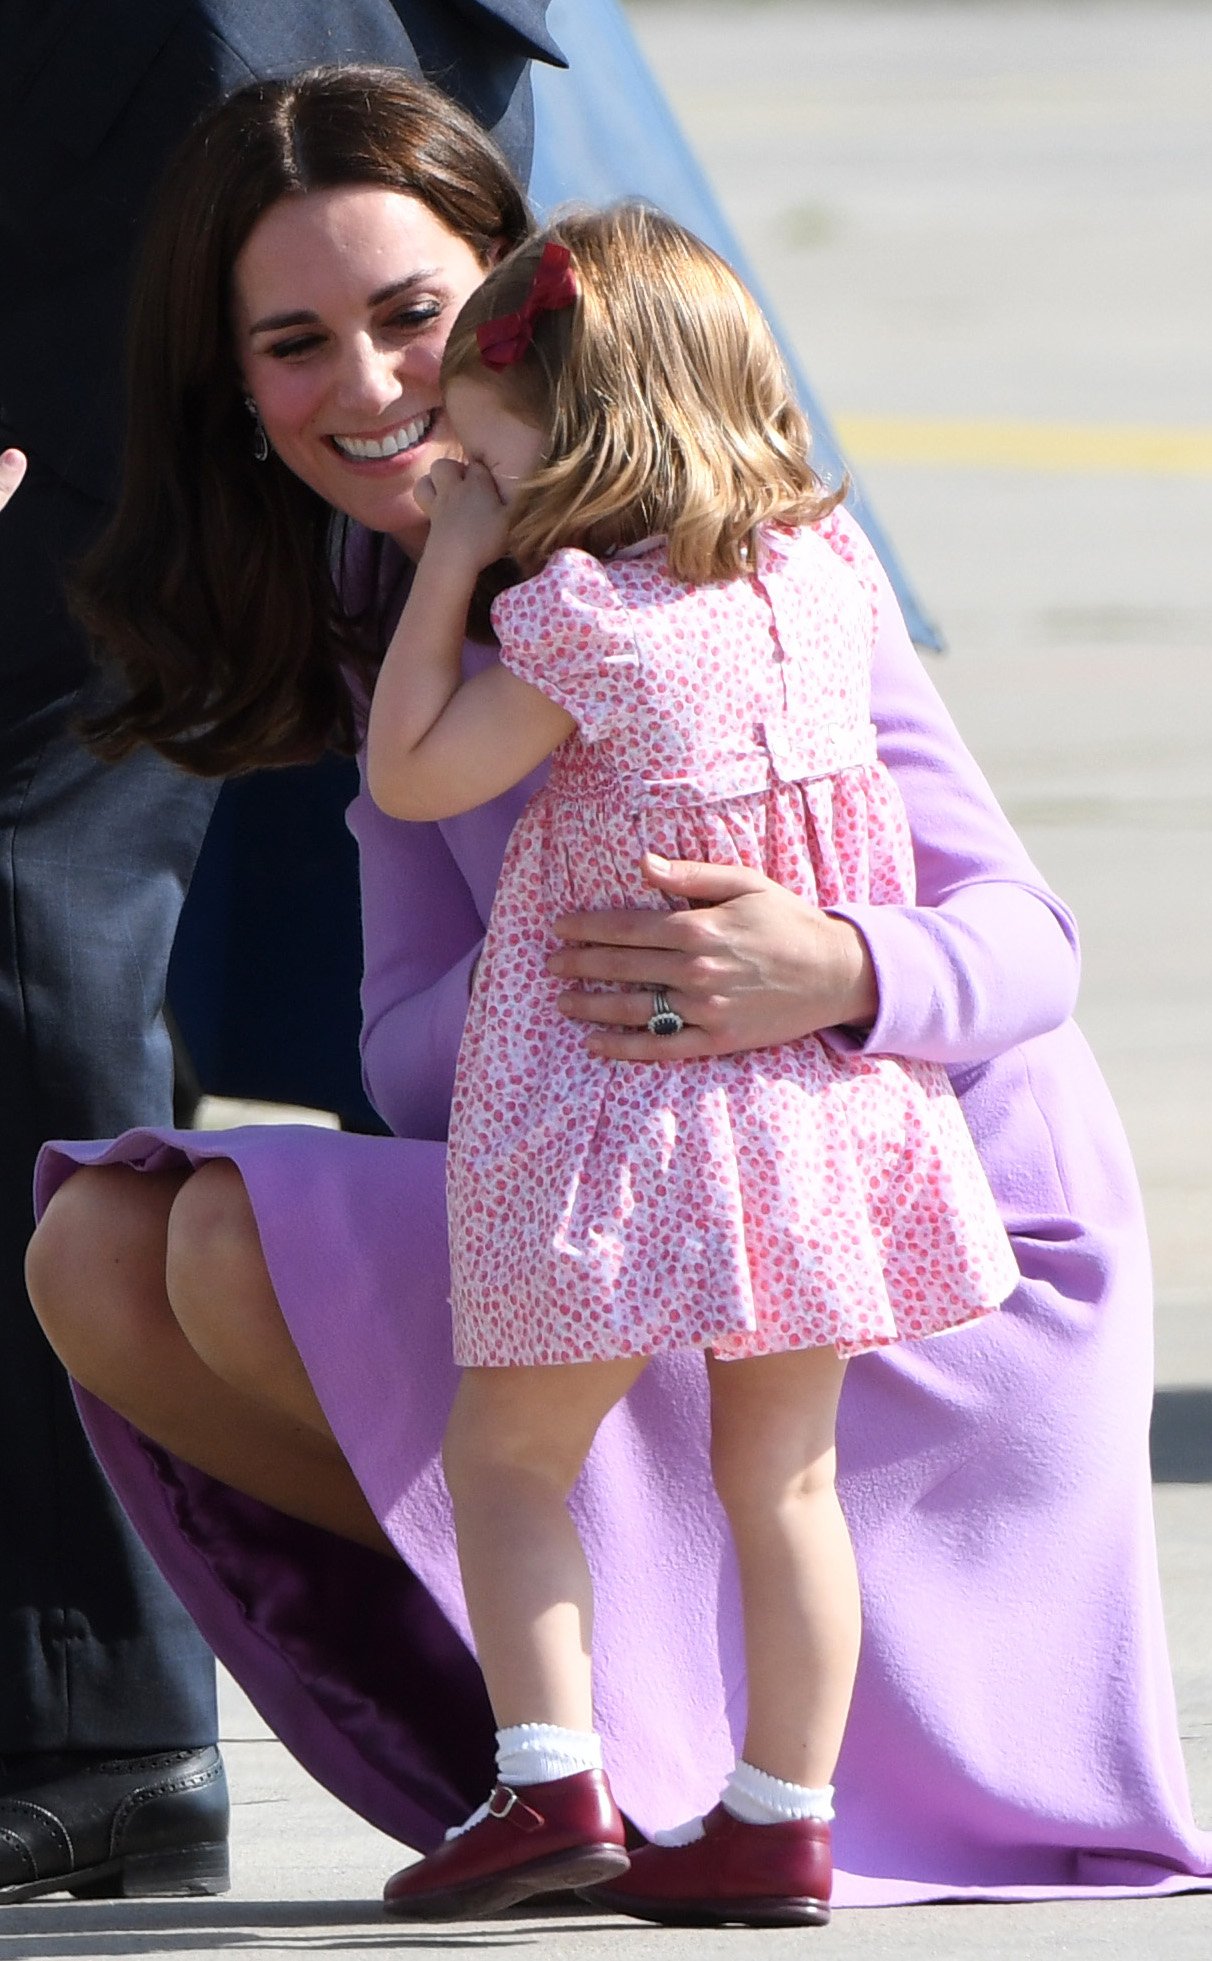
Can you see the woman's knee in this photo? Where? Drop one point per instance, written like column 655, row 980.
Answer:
column 217, row 1282
column 95, row 1267
column 212, row 1233
column 223, row 1298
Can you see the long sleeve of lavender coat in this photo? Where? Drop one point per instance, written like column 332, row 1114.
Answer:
column 988, row 956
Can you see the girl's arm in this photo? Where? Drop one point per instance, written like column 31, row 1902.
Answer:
column 436, row 744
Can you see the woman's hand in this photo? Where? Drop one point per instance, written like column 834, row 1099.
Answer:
column 12, row 469
column 749, row 966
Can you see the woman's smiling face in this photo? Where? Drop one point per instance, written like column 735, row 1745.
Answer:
column 342, row 303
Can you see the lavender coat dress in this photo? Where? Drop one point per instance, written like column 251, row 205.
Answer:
column 1014, row 1730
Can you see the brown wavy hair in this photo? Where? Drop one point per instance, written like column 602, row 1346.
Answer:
column 216, row 587
column 661, row 394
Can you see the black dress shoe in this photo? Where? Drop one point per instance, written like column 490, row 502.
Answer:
column 105, row 1827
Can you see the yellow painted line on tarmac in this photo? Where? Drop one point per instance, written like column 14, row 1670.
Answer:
column 1080, row 448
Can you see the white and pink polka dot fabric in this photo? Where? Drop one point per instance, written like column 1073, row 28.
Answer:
column 782, row 1198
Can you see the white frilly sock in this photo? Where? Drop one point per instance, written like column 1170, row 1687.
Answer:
column 684, row 1834
column 758, row 1799
column 538, row 1753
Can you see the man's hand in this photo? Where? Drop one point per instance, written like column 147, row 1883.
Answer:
column 12, row 469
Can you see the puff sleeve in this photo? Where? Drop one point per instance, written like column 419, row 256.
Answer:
column 568, row 633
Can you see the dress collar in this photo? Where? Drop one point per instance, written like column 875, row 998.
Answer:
column 639, row 550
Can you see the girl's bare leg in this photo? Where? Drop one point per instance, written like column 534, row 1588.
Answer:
column 515, row 1444
column 773, row 1460
column 116, row 1253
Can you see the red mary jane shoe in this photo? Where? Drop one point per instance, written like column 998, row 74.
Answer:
column 537, row 1838
column 745, row 1875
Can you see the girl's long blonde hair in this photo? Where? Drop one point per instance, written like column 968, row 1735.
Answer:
column 663, row 400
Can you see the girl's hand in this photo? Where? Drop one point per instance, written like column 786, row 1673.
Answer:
column 749, row 966
column 467, row 519
column 12, row 469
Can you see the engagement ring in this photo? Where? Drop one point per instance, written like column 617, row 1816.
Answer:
column 664, row 1019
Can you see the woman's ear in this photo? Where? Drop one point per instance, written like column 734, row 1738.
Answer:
column 496, row 252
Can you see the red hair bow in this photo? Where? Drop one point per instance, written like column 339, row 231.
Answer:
column 502, row 342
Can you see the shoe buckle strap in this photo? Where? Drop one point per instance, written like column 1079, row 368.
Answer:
column 515, row 1809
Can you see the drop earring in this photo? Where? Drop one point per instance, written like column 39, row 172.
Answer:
column 260, row 439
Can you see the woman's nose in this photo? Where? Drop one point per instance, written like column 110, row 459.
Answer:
column 368, row 377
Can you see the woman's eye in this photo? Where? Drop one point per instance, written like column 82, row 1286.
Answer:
column 422, row 314
column 287, row 350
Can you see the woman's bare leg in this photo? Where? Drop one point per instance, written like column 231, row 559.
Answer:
column 773, row 1420
column 515, row 1444
column 97, row 1272
column 222, row 1298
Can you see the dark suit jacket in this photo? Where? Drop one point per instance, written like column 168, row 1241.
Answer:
column 94, row 94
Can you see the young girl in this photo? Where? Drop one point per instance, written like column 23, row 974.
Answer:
column 692, row 639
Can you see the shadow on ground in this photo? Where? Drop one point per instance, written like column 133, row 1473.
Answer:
column 78, row 1930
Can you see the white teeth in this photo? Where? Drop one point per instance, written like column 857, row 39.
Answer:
column 364, row 449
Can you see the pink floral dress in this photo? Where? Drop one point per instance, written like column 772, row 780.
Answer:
column 781, row 1198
